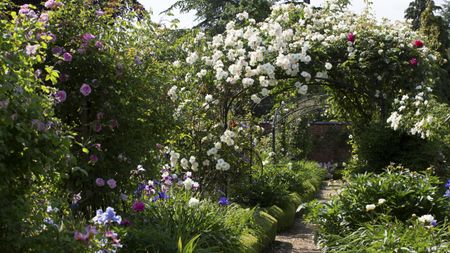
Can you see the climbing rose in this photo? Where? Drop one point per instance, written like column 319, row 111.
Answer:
column 111, row 183
column 413, row 62
column 138, row 206
column 100, row 182
column 60, row 96
column 351, row 37
column 85, row 89
column 67, row 57
column 418, row 43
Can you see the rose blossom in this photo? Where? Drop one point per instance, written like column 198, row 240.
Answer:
column 100, row 182
column 85, row 89
column 111, row 183
column 67, row 57
column 60, row 96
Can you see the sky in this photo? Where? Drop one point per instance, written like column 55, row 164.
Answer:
column 391, row 9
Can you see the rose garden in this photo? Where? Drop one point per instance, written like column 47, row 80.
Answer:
column 119, row 134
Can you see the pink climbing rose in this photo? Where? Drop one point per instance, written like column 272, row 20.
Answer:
column 413, row 62
column 351, row 37
column 85, row 89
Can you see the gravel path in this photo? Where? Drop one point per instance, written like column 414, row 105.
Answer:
column 300, row 238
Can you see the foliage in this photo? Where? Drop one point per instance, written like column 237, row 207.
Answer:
column 163, row 223
column 397, row 193
column 391, row 236
column 376, row 146
column 34, row 145
column 114, row 88
column 214, row 15
column 272, row 184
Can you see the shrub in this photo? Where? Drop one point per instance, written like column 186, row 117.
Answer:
column 391, row 236
column 397, row 193
column 163, row 223
column 272, row 184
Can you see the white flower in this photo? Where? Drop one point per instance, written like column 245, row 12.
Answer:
column 222, row 165
column 192, row 58
column 172, row 93
column 188, row 183
column 427, row 218
column 381, row 201
column 209, row 98
column 328, row 66
column 242, row 16
column 370, row 207
column 184, row 163
column 193, row 202
column 255, row 99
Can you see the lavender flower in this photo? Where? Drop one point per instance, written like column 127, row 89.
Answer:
column 60, row 96
column 67, row 57
column 31, row 49
column 111, row 183
column 100, row 182
column 109, row 216
column 85, row 89
column 87, row 37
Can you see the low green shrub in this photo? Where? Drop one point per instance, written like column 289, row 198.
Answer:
column 370, row 202
column 159, row 227
column 272, row 184
column 390, row 237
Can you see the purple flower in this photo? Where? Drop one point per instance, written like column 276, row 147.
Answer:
column 111, row 183
column 100, row 182
column 99, row 44
column 90, row 232
column 67, row 57
column 137, row 60
column 97, row 127
column 76, row 198
column 447, row 194
column 447, row 185
column 60, row 96
column 413, row 62
column 53, row 37
column 223, row 201
column 93, row 158
column 31, row 49
column 57, row 50
column 37, row 73
column 434, row 223
column 125, row 222
column 44, row 17
column 85, row 89
column 24, row 9
column 87, row 37
column 50, row 4
column 99, row 13
column 138, row 206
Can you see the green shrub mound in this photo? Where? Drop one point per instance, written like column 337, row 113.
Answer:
column 381, row 213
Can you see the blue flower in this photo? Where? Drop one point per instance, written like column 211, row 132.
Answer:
column 447, row 194
column 109, row 216
column 434, row 223
column 223, row 201
column 447, row 185
column 161, row 195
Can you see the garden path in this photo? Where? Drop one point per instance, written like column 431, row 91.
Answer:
column 300, row 238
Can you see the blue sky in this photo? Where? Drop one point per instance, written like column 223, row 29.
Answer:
column 392, row 9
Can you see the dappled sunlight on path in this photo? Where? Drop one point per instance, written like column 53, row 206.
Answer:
column 300, row 238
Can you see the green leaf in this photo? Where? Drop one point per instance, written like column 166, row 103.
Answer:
column 85, row 150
